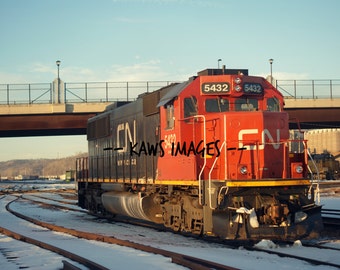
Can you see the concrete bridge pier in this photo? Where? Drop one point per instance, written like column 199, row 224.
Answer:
column 58, row 89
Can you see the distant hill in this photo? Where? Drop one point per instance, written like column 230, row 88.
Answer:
column 38, row 167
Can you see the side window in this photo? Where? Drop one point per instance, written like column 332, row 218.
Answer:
column 246, row 104
column 217, row 105
column 170, row 120
column 190, row 107
column 273, row 104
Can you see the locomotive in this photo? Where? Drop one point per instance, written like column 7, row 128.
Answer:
column 207, row 156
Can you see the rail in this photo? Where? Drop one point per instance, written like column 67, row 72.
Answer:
column 84, row 92
column 311, row 89
column 331, row 212
column 331, row 217
column 186, row 261
column 109, row 91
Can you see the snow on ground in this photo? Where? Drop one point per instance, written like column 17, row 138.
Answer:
column 117, row 257
column 111, row 256
column 19, row 255
column 330, row 202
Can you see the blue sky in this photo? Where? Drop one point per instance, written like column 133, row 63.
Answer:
column 134, row 40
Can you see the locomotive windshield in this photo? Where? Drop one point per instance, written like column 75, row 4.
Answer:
column 217, row 105
column 221, row 104
column 246, row 104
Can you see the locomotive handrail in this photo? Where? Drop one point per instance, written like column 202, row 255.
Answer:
column 225, row 160
column 219, row 199
column 258, row 160
column 205, row 160
column 210, row 171
column 225, row 149
column 317, row 194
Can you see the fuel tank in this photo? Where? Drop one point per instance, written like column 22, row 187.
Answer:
column 132, row 205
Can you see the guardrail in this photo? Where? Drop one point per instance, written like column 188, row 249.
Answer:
column 109, row 91
column 83, row 92
column 25, row 93
column 37, row 93
column 314, row 89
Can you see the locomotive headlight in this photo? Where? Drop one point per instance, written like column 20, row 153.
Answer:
column 299, row 169
column 237, row 80
column 243, row 170
column 238, row 88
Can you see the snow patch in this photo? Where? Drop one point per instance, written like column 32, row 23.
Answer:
column 266, row 244
column 297, row 243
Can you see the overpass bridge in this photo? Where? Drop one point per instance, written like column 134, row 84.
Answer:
column 60, row 108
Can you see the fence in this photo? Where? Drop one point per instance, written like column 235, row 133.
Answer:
column 109, row 91
column 315, row 89
column 75, row 92
column 113, row 91
column 25, row 93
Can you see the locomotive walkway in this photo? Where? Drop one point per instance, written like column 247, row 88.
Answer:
column 61, row 108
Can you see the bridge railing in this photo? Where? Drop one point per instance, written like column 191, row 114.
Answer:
column 109, row 91
column 76, row 92
column 312, row 89
column 36, row 93
column 25, row 93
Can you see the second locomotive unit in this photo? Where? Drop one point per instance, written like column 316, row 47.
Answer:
column 207, row 156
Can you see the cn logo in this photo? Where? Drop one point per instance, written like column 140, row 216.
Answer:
column 124, row 136
column 262, row 144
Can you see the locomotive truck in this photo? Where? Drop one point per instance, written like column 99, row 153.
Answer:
column 207, row 156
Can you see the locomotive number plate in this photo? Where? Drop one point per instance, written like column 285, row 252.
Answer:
column 253, row 88
column 215, row 88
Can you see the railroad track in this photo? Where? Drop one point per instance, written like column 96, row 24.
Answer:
column 180, row 259
column 82, row 260
column 190, row 262
column 292, row 256
column 331, row 217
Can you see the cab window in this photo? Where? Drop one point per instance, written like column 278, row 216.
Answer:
column 190, row 107
column 217, row 105
column 170, row 120
column 273, row 104
column 246, row 104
